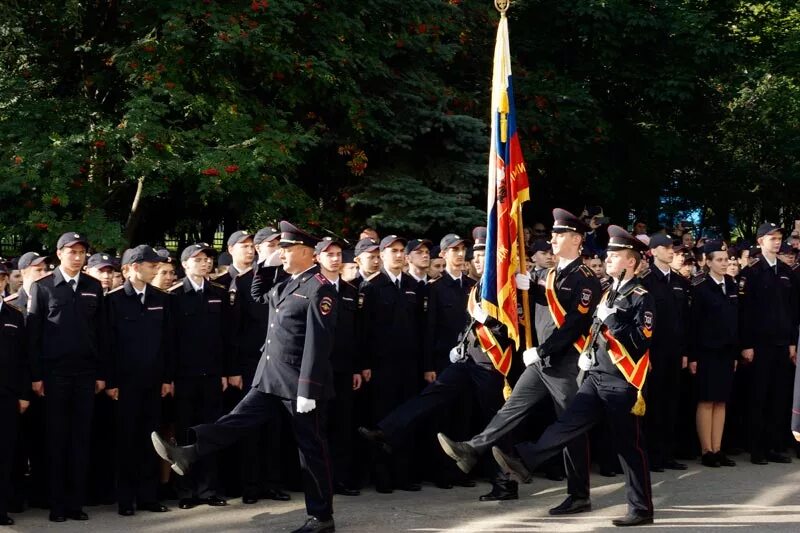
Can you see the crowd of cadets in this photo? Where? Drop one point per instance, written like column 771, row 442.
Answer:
column 97, row 354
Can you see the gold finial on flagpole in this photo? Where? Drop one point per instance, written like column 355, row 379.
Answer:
column 502, row 6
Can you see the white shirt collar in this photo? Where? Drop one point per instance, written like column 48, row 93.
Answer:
column 423, row 278
column 624, row 282
column 394, row 278
column 295, row 276
column 195, row 285
column 771, row 263
column 137, row 291
column 67, row 278
column 452, row 276
column 717, row 281
column 666, row 272
column 564, row 263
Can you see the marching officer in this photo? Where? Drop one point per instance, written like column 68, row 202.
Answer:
column 565, row 298
column 612, row 388
column 140, row 338
column 68, row 352
column 14, row 388
column 713, row 349
column 200, row 364
column 768, row 328
column 346, row 364
column 294, row 374
column 667, row 348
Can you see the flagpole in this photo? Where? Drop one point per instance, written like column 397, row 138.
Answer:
column 502, row 6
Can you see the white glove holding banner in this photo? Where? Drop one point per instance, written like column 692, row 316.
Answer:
column 585, row 362
column 457, row 354
column 523, row 281
column 479, row 314
column 530, row 356
column 604, row 311
column 305, row 405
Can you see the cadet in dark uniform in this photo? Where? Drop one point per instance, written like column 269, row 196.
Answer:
column 368, row 260
column 768, row 328
column 479, row 250
column 294, row 374
column 140, row 338
column 713, row 349
column 613, row 384
column 68, row 350
column 257, row 459
column 565, row 298
column 667, row 348
column 14, row 389
column 201, row 323
column 391, row 343
column 347, row 367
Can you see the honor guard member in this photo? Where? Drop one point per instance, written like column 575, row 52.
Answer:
column 32, row 266
column 68, row 351
column 14, row 389
column 368, row 260
column 565, row 297
column 102, row 267
column 294, row 374
column 346, row 365
column 390, row 318
column 140, row 336
column 667, row 349
column 257, row 459
column 768, row 328
column 201, row 327
column 479, row 250
column 713, row 349
column 612, row 388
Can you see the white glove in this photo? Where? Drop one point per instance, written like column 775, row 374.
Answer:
column 456, row 354
column 603, row 311
column 523, row 281
column 585, row 362
column 274, row 259
column 530, row 356
column 479, row 314
column 304, row 405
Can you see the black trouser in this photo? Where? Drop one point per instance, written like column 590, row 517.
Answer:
column 662, row 405
column 31, row 456
column 534, row 385
column 766, row 409
column 69, row 405
column 138, row 415
column 258, row 408
column 459, row 382
column 340, row 428
column 198, row 400
column 9, row 418
column 601, row 397
column 103, row 454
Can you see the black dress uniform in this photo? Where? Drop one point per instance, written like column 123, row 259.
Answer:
column 577, row 291
column 667, row 348
column 68, row 350
column 714, row 336
column 140, row 347
column 295, row 363
column 202, row 348
column 606, row 391
column 14, row 386
column 768, row 324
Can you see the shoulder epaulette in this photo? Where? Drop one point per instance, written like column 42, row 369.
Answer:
column 112, row 291
column 586, row 271
column 755, row 261
column 432, row 281
column 216, row 276
column 347, row 283
column 13, row 306
column 698, row 279
column 641, row 291
column 176, row 286
column 644, row 273
column 376, row 274
column 322, row 279
column 217, row 285
column 45, row 276
column 11, row 298
column 157, row 288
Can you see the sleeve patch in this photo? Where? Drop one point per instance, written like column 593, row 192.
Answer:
column 326, row 305
column 586, row 300
column 648, row 324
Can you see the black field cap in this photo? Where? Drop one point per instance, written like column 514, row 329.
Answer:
column 101, row 261
column 714, row 245
column 142, row 254
column 660, row 239
column 766, row 228
column 30, row 259
column 291, row 235
column 390, row 240
column 366, row 245
column 540, row 245
column 239, row 236
column 163, row 252
column 785, row 249
column 564, row 221
column 266, row 234
column 224, row 259
column 326, row 243
column 348, row 256
column 449, row 241
column 479, row 238
column 435, row 252
column 619, row 239
column 3, row 267
column 194, row 249
column 415, row 244
column 70, row 239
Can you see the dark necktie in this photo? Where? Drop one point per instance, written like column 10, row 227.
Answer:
column 72, row 284
column 141, row 297
column 397, row 283
column 722, row 286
